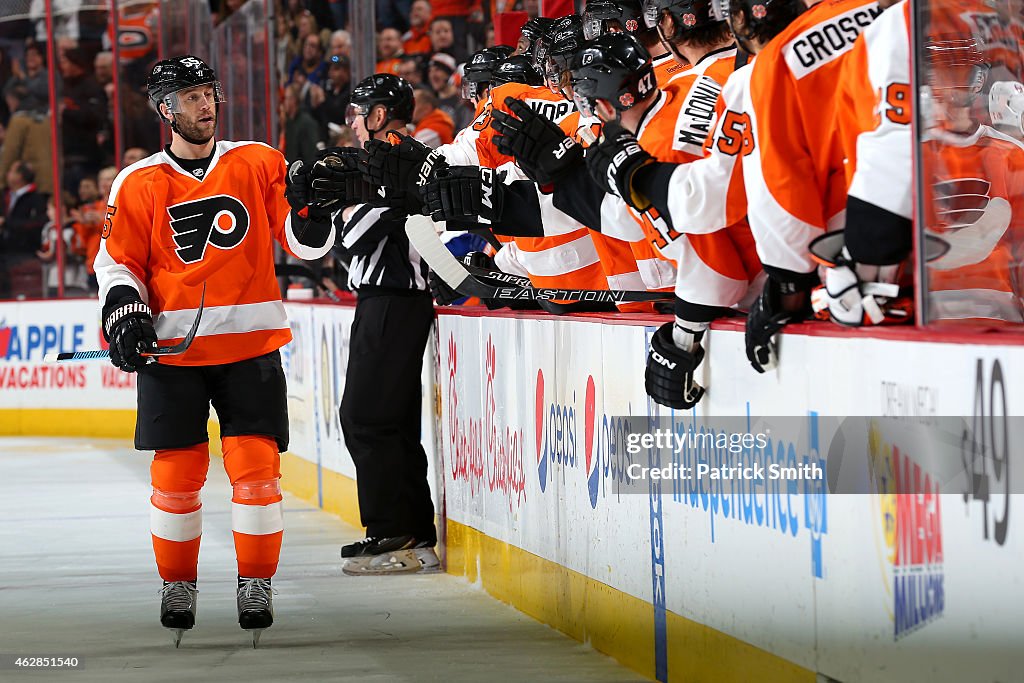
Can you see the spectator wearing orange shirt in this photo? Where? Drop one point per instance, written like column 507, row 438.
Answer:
column 433, row 127
column 389, row 51
column 416, row 41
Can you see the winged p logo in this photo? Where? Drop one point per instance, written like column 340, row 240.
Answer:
column 220, row 220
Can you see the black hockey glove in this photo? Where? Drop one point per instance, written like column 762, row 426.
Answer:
column 443, row 293
column 614, row 161
column 465, row 193
column 669, row 375
column 338, row 180
column 129, row 329
column 299, row 193
column 400, row 169
column 539, row 146
column 769, row 315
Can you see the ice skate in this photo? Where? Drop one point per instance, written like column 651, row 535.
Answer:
column 255, row 606
column 377, row 556
column 178, row 604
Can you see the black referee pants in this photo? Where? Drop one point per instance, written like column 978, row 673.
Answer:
column 380, row 413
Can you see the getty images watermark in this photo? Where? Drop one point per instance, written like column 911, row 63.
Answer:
column 664, row 440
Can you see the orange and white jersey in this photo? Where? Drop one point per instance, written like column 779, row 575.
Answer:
column 795, row 181
column 873, row 114
column 974, row 199
column 666, row 68
column 708, row 194
column 168, row 232
column 714, row 269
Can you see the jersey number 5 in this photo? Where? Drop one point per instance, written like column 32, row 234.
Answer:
column 735, row 136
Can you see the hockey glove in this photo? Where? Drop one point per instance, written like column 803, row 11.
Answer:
column 398, row 170
column 338, row 180
column 129, row 329
column 299, row 193
column 613, row 163
column 854, row 294
column 539, row 146
column 465, row 193
column 768, row 316
column 670, row 367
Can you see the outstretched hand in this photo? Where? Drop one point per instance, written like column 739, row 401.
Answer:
column 539, row 146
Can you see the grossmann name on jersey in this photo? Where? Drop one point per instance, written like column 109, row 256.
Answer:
column 828, row 40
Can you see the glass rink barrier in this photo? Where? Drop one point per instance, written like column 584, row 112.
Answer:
column 68, row 155
column 970, row 161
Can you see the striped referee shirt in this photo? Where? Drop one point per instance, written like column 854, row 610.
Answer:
column 381, row 255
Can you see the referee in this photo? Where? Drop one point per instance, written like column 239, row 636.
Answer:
column 380, row 407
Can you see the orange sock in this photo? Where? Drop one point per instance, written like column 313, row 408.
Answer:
column 254, row 468
column 176, row 516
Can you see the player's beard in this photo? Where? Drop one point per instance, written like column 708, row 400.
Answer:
column 195, row 132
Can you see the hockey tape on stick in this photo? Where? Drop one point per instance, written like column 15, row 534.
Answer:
column 175, row 350
column 423, row 235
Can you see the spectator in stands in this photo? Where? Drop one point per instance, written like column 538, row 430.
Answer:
column 331, row 101
column 394, row 13
column 389, row 51
column 460, row 14
column 439, row 74
column 302, row 136
column 340, row 44
column 443, row 40
column 5, row 75
column 82, row 114
column 411, row 69
column 21, row 230
column 103, row 67
column 92, row 209
column 433, row 126
column 30, row 80
column 416, row 41
column 309, row 67
column 133, row 154
column 28, row 138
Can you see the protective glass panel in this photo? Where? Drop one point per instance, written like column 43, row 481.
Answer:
column 971, row 177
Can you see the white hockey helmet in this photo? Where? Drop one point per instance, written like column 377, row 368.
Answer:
column 1006, row 105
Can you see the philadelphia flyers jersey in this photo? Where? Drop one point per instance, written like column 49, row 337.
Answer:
column 167, row 232
column 715, row 269
column 666, row 68
column 795, row 181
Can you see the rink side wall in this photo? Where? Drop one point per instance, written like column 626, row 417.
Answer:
column 525, row 421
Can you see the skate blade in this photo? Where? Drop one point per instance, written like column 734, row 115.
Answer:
column 256, row 633
column 398, row 562
column 176, row 634
column 429, row 562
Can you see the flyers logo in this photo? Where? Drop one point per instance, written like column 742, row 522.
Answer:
column 220, row 220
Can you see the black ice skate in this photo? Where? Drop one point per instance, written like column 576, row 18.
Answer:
column 377, row 556
column 178, row 604
column 255, row 606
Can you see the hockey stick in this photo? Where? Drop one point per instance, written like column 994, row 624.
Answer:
column 423, row 236
column 176, row 350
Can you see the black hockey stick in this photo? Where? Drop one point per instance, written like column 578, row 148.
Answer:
column 176, row 350
column 423, row 236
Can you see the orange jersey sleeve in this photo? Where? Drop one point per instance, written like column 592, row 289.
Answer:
column 167, row 233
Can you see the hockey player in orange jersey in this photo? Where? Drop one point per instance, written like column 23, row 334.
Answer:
column 206, row 211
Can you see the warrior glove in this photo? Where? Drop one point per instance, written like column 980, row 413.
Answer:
column 129, row 329
column 542, row 149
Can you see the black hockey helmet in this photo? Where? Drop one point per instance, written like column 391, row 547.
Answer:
column 760, row 20
column 688, row 16
column 605, row 16
column 170, row 76
column 557, row 48
column 516, row 69
column 533, row 30
column 387, row 90
column 480, row 69
column 614, row 67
